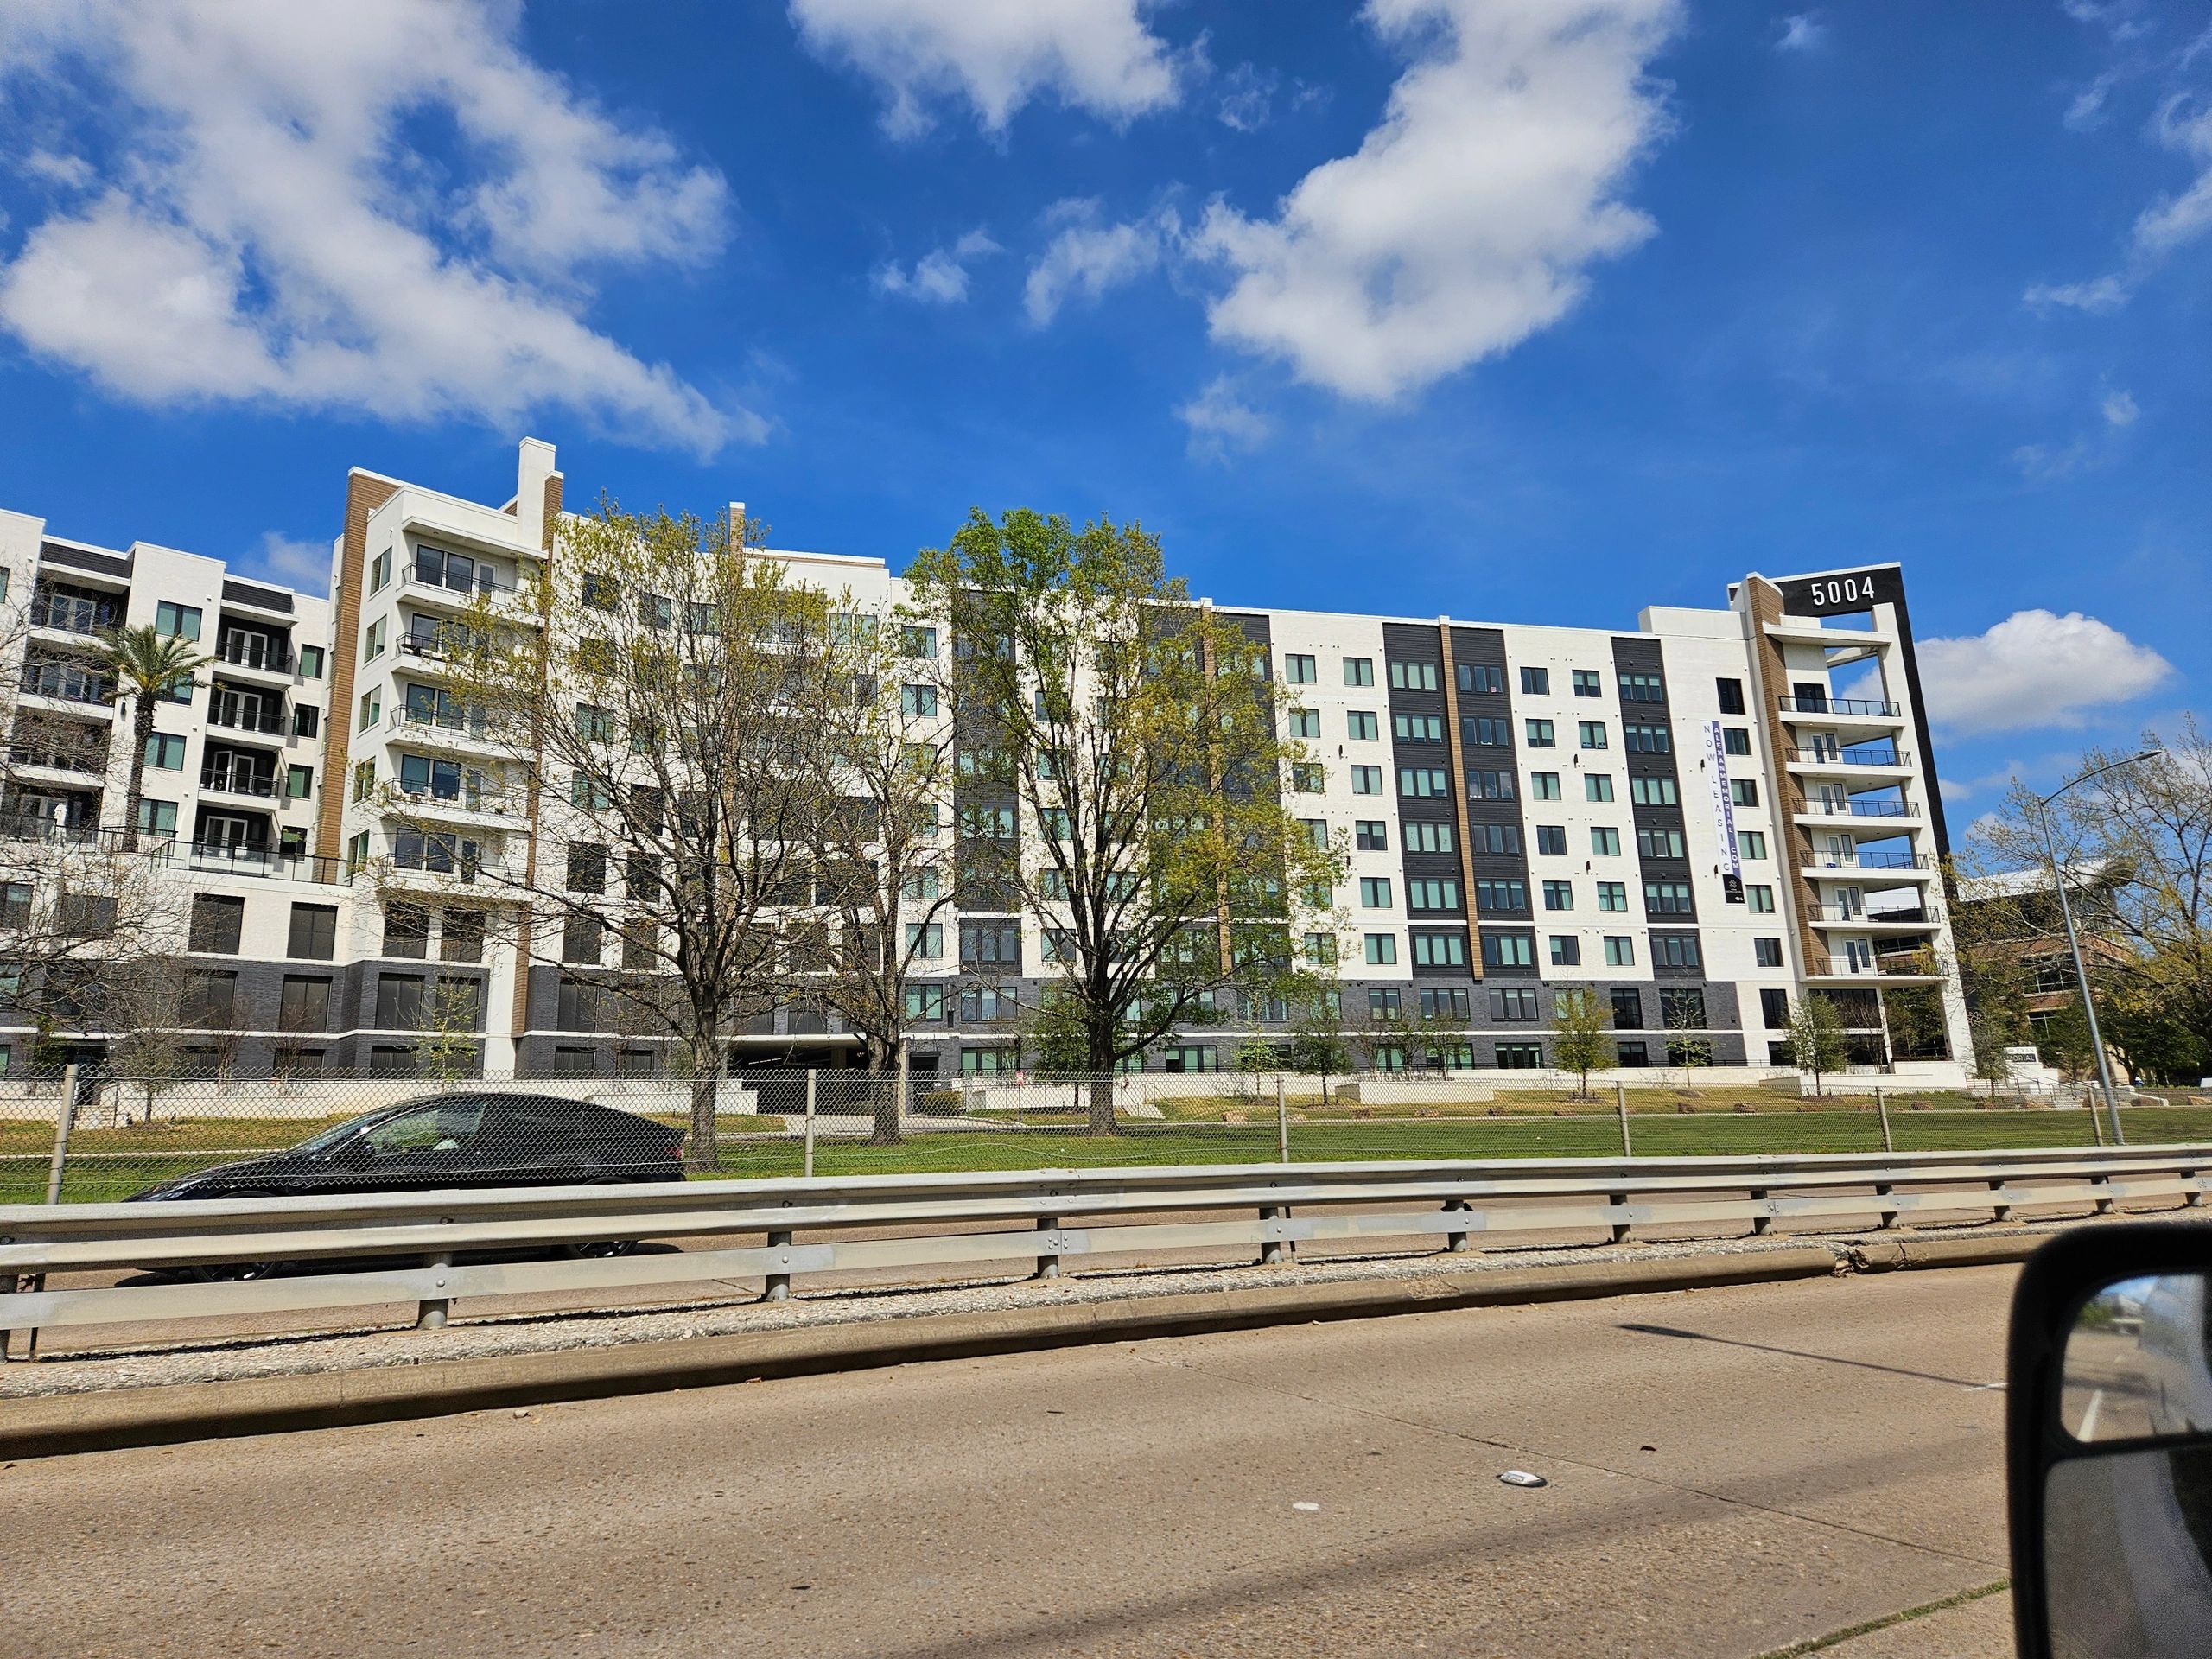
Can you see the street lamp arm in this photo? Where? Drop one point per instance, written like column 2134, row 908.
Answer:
column 2114, row 765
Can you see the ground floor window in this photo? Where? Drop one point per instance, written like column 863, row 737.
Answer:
column 1189, row 1056
column 1520, row 1056
column 1631, row 1054
column 986, row 1062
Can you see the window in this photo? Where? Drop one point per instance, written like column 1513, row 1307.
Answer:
column 1731, row 693
column 917, row 642
column 1508, row 949
column 1628, row 1007
column 1620, row 952
column 165, row 751
column 1551, row 838
column 925, row 940
column 303, row 1004
column 917, row 702
column 1558, row 895
column 156, row 818
column 183, row 620
column 1424, row 783
column 216, row 925
column 371, row 710
column 1604, row 841
column 981, row 1002
column 1502, row 840
column 1382, row 1002
column 1744, row 790
column 1494, row 894
column 1642, row 687
column 1306, row 778
column 583, row 940
column 209, row 1000
column 406, row 931
column 1759, row 900
column 1536, row 682
column 1361, row 726
column 1413, row 676
column 1439, row 949
column 1751, row 843
column 1189, row 1057
column 310, row 662
column 1445, row 1002
column 926, row 1003
column 1588, row 683
column 1675, row 951
column 1298, row 668
column 1430, row 838
column 307, row 721
column 1316, row 831
column 1484, row 785
column 1682, row 1009
column 1613, row 895
column 1513, row 1003
column 1537, row 734
column 1371, row 836
column 1418, row 729
column 1652, row 791
column 1375, row 892
column 1367, row 780
column 994, row 945
column 1659, row 843
column 1597, row 786
column 1668, row 898
column 372, row 642
column 1432, row 895
column 1381, row 949
column 1629, row 1056
column 1640, row 739
column 299, row 782
column 1735, row 739
column 1359, row 671
column 1478, row 679
column 1319, row 949
column 314, row 935
column 1520, row 1056
column 586, row 866
column 399, row 1000
column 461, row 937
column 1567, row 950
column 15, row 912
column 1482, row 732
column 1590, row 733
column 1305, row 723
column 1543, row 785
column 1774, row 1008
column 1767, row 953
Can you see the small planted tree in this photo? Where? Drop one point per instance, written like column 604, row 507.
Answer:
column 1317, row 1047
column 446, row 1043
column 1991, row 1064
column 1582, row 1024
column 1816, row 1041
column 1688, row 1048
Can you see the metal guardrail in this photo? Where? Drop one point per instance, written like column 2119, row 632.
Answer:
column 350, row 1242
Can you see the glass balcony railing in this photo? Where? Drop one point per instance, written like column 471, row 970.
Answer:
column 1863, row 808
column 1874, row 757
column 1840, row 706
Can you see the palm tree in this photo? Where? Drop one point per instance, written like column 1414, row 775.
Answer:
column 143, row 663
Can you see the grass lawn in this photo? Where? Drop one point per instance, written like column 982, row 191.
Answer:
column 112, row 1163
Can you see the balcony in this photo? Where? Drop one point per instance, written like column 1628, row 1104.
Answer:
column 255, row 859
column 1887, row 757
column 240, row 651
column 442, row 652
column 1896, row 970
column 490, row 808
column 258, row 725
column 1915, row 920
column 442, row 590
column 65, row 615
column 473, row 733
column 19, row 825
column 78, row 688
column 76, row 761
column 1857, row 707
column 242, row 783
column 1860, row 809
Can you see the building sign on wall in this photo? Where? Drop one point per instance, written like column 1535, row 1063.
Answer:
column 1723, row 812
column 1841, row 592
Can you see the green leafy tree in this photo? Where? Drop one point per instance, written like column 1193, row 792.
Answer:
column 1582, row 1024
column 1119, row 773
column 1317, row 1047
column 1817, row 1044
column 447, row 1046
column 142, row 664
column 1992, row 1065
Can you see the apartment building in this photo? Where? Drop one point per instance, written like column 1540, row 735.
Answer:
column 1699, row 819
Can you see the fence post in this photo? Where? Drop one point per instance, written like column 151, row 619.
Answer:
column 1882, row 1110
column 431, row 1313
column 1282, row 1124
column 905, row 1103
column 64, row 1117
column 1620, row 1104
column 810, row 1076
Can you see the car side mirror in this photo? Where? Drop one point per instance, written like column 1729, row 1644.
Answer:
column 2108, row 1444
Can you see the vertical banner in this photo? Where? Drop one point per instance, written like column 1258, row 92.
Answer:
column 1723, row 812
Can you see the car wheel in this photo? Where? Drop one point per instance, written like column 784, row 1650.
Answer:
column 225, row 1273
column 595, row 1249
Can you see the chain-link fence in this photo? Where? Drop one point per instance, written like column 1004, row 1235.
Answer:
column 86, row 1135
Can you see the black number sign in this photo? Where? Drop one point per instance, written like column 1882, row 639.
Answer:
column 1844, row 591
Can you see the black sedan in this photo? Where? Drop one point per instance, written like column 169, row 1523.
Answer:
column 452, row 1141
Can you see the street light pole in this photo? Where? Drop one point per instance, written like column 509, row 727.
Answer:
column 2074, row 943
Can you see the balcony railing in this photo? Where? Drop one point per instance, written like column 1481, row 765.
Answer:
column 238, row 784
column 1869, row 860
column 466, row 800
column 67, row 684
column 270, row 723
column 59, row 759
column 1841, row 915
column 1862, row 808
column 483, row 582
column 438, row 644
column 1896, row 967
column 1840, row 706
column 1889, row 757
column 422, row 722
column 37, row 826
column 256, row 859
column 254, row 650
column 71, row 615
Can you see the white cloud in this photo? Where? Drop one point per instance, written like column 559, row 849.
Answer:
column 67, row 172
column 1468, row 217
column 1223, row 423
column 1086, row 259
column 2035, row 669
column 1247, row 98
column 940, row 276
column 2087, row 451
column 998, row 54
column 2086, row 111
column 271, row 239
column 1803, row 32
column 304, row 565
column 2122, row 19
column 2120, row 408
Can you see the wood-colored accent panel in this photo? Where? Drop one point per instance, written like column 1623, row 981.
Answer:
column 364, row 495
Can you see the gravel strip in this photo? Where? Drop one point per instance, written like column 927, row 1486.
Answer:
column 234, row 1359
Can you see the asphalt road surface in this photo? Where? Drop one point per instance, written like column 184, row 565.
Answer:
column 1730, row 1471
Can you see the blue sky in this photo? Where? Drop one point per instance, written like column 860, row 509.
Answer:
column 1501, row 308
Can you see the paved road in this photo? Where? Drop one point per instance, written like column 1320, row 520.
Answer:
column 1730, row 1472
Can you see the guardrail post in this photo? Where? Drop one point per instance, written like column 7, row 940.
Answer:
column 1048, row 1266
column 1620, row 1105
column 2195, row 1198
column 65, row 1117
column 1888, row 1211
column 1270, row 1248
column 1282, row 1124
column 1456, row 1242
column 430, row 1313
column 1760, row 1223
column 1620, row 1227
column 2000, row 1211
column 809, row 1169
column 1882, row 1110
column 779, row 1284
column 2101, row 1186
